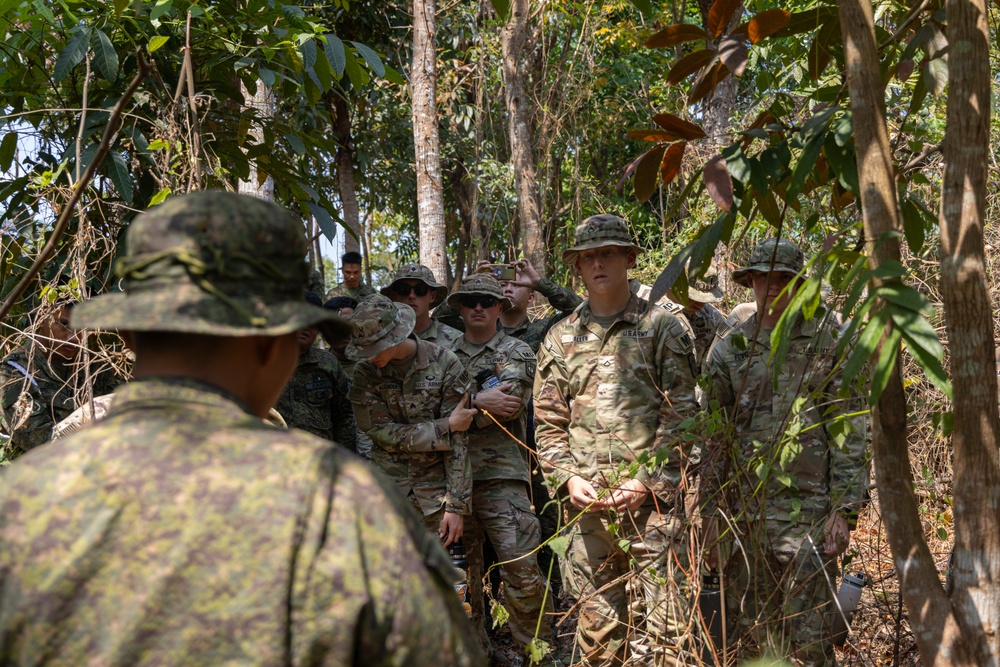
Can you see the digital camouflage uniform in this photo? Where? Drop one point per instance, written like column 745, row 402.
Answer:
column 439, row 334
column 405, row 413
column 797, row 457
column 183, row 530
column 600, row 413
column 501, row 507
column 36, row 393
column 362, row 291
column 315, row 399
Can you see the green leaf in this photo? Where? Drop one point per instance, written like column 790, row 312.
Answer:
column 308, row 50
column 737, row 163
column 625, row 545
column 885, row 365
column 502, row 8
column 359, row 77
column 266, row 75
column 72, row 55
column 905, row 296
column 807, row 160
column 559, row 545
column 936, row 75
column 371, row 58
column 296, row 143
column 913, row 225
column 499, row 614
column 119, row 174
column 156, row 42
column 105, row 56
column 326, row 223
column 645, row 7
column 160, row 8
column 158, row 145
column 160, row 196
column 334, row 49
column 866, row 344
column 120, row 6
column 8, row 147
column 923, row 343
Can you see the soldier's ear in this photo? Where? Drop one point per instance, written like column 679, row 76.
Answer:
column 631, row 258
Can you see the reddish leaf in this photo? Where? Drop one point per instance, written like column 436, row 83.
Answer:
column 672, row 162
column 628, row 172
column 904, row 69
column 720, row 14
column 678, row 126
column 675, row 34
column 767, row 23
column 658, row 136
column 718, row 182
column 733, row 53
column 707, row 81
column 768, row 208
column 690, row 64
column 646, row 172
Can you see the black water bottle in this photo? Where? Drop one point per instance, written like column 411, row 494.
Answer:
column 458, row 559
column 710, row 606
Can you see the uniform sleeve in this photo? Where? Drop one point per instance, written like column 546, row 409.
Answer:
column 458, row 465
column 676, row 371
column 519, row 372
column 28, row 420
column 375, row 419
column 373, row 586
column 344, row 426
column 552, row 413
column 561, row 298
column 848, row 435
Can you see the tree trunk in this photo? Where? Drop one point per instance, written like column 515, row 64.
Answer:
column 513, row 39
column 975, row 571
column 345, row 173
column 262, row 103
column 427, row 145
column 937, row 632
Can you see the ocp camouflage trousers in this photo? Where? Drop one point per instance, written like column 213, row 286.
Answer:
column 642, row 554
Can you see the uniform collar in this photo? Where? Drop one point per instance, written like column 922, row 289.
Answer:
column 160, row 390
column 470, row 348
column 635, row 310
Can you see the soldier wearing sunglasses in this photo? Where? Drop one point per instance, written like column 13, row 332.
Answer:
column 415, row 286
column 503, row 370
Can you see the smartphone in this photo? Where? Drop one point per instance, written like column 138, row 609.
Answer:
column 505, row 272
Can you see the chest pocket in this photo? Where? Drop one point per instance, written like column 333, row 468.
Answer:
column 318, row 390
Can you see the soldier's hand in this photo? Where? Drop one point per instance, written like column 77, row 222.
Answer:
column 498, row 403
column 484, row 266
column 583, row 495
column 452, row 526
column 628, row 495
column 461, row 417
column 838, row 534
column 527, row 276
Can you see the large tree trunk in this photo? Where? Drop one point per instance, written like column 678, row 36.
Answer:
column 262, row 103
column 938, row 635
column 345, row 173
column 427, row 144
column 975, row 572
column 513, row 38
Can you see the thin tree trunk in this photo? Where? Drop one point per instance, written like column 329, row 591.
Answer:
column 934, row 623
column 262, row 102
column 426, row 141
column 975, row 572
column 345, row 173
column 513, row 39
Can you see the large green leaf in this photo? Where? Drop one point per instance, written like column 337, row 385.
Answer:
column 72, row 55
column 105, row 56
column 923, row 343
column 334, row 49
column 120, row 175
column 807, row 160
column 371, row 58
column 502, row 8
column 326, row 223
column 8, row 147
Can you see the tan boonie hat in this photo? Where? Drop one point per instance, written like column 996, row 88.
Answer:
column 379, row 323
column 705, row 288
column 212, row 263
column 788, row 258
column 480, row 284
column 598, row 231
column 424, row 275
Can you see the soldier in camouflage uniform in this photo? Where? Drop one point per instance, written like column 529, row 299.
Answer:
column 182, row 529
column 409, row 397
column 39, row 382
column 800, row 466
column 615, row 384
column 415, row 286
column 315, row 399
column 503, row 369
column 350, row 268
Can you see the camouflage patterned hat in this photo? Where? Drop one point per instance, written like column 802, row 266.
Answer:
column 212, row 263
column 379, row 323
column 598, row 231
column 480, row 284
column 705, row 288
column 788, row 258
column 424, row 275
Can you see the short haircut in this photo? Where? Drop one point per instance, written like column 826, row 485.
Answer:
column 338, row 302
column 195, row 346
column 351, row 258
column 313, row 298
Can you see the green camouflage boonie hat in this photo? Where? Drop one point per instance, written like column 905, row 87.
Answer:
column 788, row 258
column 424, row 275
column 212, row 263
column 480, row 283
column 705, row 288
column 379, row 323
column 598, row 231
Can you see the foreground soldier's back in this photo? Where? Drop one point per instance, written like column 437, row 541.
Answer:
column 184, row 530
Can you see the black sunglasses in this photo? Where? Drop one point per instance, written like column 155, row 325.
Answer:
column 404, row 289
column 473, row 300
